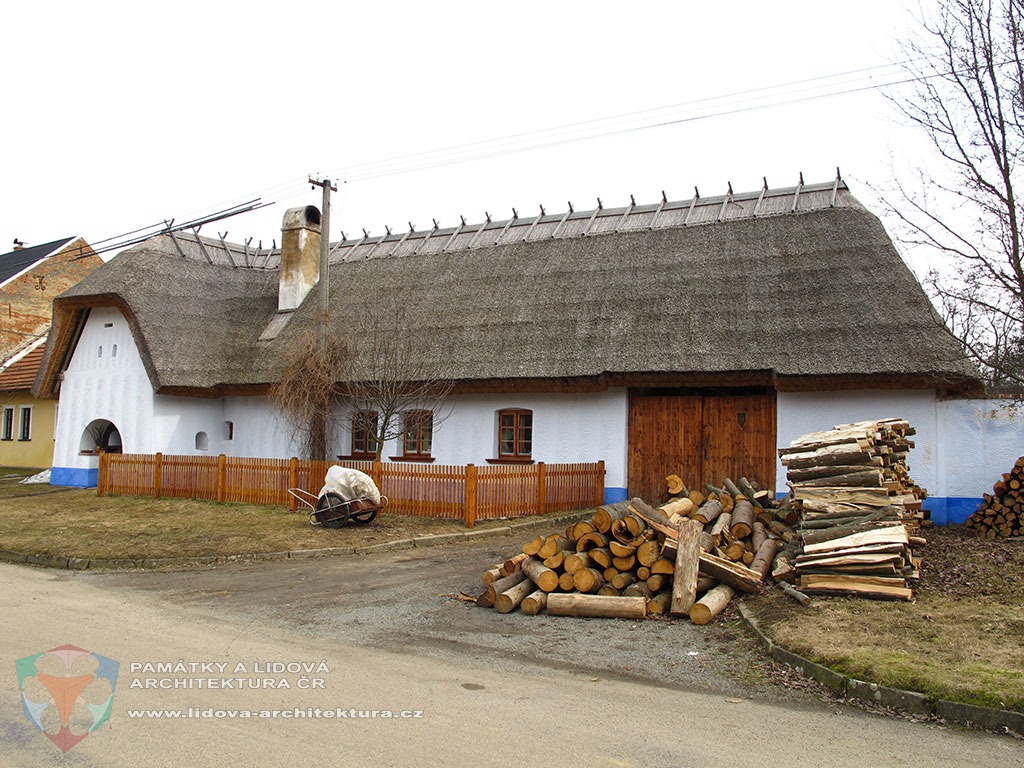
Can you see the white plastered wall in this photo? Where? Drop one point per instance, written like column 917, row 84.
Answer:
column 981, row 439
column 802, row 412
column 567, row 428
column 105, row 379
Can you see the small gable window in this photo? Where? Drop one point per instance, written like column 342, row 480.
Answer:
column 228, row 430
column 202, row 441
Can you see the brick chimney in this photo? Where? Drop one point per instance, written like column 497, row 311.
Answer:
column 300, row 256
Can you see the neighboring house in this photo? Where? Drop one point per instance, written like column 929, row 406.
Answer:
column 689, row 337
column 29, row 279
column 26, row 424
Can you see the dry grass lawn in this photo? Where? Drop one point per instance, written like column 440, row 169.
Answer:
column 960, row 639
column 40, row 519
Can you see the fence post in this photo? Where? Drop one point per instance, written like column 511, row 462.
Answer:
column 599, row 484
column 542, row 487
column 293, row 482
column 377, row 473
column 158, row 474
column 103, row 475
column 222, row 476
column 470, row 496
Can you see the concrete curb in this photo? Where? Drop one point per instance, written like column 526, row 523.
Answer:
column 432, row 540
column 908, row 701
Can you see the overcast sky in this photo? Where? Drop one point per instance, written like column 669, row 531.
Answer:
column 122, row 115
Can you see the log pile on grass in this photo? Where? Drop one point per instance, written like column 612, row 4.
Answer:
column 1001, row 514
column 860, row 511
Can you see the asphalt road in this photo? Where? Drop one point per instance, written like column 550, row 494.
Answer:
column 350, row 636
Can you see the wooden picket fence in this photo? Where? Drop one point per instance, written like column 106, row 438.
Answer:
column 468, row 492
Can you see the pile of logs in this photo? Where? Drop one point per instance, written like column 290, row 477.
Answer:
column 860, row 511
column 1001, row 513
column 690, row 556
column 862, row 464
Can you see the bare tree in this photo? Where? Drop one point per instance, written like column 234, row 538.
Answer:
column 307, row 391
column 398, row 381
column 392, row 380
column 967, row 82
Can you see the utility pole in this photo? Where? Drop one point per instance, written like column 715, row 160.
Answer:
column 323, row 427
column 325, row 249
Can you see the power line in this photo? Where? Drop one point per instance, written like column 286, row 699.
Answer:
column 128, row 239
column 724, row 105
column 720, row 106
column 358, row 168
column 799, row 91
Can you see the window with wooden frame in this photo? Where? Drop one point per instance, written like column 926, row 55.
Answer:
column 417, row 434
column 515, row 435
column 364, row 434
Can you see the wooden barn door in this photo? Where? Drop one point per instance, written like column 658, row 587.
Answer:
column 702, row 435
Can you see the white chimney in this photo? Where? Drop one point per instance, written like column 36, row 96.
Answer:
column 300, row 256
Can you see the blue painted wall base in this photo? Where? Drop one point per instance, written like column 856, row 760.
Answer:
column 952, row 510
column 614, row 495
column 76, row 478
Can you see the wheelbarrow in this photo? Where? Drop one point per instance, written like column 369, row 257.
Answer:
column 348, row 495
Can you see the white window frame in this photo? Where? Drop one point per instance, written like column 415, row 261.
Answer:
column 7, row 425
column 25, row 423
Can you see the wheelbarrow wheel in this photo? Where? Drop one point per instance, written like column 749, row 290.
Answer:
column 365, row 512
column 365, row 517
column 332, row 511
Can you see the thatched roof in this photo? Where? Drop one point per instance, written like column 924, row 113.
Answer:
column 793, row 288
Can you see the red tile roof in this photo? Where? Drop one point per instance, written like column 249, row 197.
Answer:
column 22, row 374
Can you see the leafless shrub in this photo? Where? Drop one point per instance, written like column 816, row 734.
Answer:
column 308, row 391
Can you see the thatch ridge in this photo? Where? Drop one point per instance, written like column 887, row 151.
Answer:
column 811, row 294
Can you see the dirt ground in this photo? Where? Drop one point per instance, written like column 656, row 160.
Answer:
column 408, row 600
column 958, row 563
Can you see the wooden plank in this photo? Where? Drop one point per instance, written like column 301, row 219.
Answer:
column 870, row 586
column 687, row 567
column 890, row 535
column 733, row 574
column 876, row 497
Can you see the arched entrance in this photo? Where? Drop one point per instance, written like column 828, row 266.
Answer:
column 100, row 435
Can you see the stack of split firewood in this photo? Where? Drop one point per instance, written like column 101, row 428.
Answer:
column 860, row 511
column 862, row 465
column 1001, row 513
column 690, row 556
